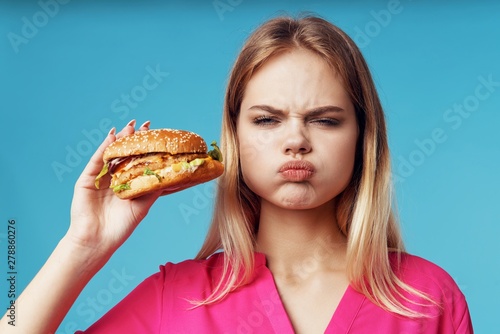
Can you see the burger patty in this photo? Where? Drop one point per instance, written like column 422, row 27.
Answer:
column 135, row 166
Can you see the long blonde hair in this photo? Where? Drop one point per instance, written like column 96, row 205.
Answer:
column 364, row 208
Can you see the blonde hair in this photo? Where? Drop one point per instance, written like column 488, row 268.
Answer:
column 364, row 208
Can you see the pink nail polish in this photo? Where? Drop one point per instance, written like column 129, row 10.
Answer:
column 112, row 131
column 146, row 124
column 131, row 123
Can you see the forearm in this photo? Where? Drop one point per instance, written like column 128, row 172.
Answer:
column 47, row 299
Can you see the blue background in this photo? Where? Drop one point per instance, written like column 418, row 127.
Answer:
column 69, row 74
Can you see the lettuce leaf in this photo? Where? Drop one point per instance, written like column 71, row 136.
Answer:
column 148, row 171
column 103, row 172
column 215, row 153
column 121, row 187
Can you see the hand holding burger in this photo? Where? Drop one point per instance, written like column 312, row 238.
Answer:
column 162, row 159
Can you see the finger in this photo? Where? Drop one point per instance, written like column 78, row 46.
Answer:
column 96, row 163
column 142, row 204
column 127, row 129
column 145, row 126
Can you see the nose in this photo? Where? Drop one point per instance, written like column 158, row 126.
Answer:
column 296, row 140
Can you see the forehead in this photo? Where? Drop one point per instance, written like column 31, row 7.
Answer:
column 295, row 79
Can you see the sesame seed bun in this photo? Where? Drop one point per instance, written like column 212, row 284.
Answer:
column 155, row 141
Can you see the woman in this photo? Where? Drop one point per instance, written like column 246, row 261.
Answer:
column 303, row 214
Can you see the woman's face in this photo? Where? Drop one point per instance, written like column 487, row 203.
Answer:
column 297, row 132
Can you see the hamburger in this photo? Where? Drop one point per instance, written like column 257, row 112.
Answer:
column 162, row 159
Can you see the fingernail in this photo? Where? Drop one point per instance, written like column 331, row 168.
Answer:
column 112, row 131
column 131, row 123
column 146, row 124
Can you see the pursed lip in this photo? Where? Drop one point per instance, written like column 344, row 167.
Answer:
column 297, row 170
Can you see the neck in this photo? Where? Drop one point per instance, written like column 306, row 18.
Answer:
column 293, row 239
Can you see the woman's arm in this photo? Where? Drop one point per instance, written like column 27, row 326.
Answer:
column 100, row 223
column 47, row 299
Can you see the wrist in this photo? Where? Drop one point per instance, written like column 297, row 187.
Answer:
column 88, row 258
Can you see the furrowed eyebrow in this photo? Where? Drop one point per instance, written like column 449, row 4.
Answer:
column 267, row 108
column 323, row 110
column 313, row 112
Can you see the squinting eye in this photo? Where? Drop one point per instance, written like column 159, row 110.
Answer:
column 326, row 121
column 264, row 120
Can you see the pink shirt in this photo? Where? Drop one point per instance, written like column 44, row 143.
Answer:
column 161, row 304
